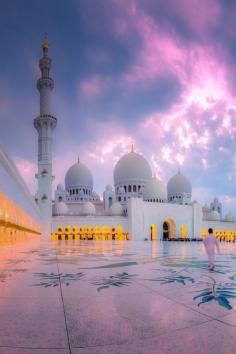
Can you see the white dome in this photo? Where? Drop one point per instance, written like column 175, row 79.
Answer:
column 132, row 167
column 179, row 184
column 88, row 209
column 116, row 209
column 214, row 216
column 229, row 217
column 109, row 188
column 154, row 189
column 78, row 175
column 60, row 208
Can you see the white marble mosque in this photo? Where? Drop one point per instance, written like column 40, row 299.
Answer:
column 135, row 202
column 78, row 295
column 138, row 203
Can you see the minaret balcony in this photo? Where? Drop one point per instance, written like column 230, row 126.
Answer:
column 45, row 82
column 45, row 119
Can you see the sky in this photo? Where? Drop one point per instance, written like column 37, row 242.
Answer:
column 157, row 74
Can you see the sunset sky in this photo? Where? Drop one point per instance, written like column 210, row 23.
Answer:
column 158, row 74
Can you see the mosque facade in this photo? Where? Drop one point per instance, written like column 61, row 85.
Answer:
column 138, row 203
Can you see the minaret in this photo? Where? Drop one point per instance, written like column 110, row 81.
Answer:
column 45, row 124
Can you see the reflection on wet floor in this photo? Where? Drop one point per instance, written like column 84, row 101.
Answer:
column 119, row 295
column 10, row 236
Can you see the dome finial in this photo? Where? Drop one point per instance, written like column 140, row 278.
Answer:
column 45, row 44
column 78, row 160
column 132, row 148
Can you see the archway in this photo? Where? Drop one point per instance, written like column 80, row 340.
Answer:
column 165, row 231
column 169, row 229
column 109, row 202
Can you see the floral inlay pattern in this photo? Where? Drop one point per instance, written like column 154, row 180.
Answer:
column 219, row 292
column 54, row 279
column 180, row 279
column 119, row 279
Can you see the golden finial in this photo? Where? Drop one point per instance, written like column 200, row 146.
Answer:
column 78, row 160
column 45, row 44
column 132, row 148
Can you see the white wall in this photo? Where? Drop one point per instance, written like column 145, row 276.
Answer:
column 13, row 185
column 143, row 214
column 92, row 220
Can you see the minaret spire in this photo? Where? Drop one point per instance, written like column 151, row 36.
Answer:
column 45, row 124
column 45, row 44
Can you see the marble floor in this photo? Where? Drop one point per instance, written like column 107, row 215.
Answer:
column 116, row 297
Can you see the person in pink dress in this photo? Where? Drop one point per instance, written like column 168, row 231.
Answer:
column 211, row 244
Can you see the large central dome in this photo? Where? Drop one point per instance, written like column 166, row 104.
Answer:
column 78, row 175
column 132, row 167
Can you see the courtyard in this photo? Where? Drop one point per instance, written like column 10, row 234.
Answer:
column 116, row 297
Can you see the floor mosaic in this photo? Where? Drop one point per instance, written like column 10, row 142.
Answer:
column 116, row 297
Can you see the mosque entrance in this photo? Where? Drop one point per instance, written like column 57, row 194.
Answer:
column 169, row 229
column 165, row 231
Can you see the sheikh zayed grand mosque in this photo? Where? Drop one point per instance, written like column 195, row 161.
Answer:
column 136, row 203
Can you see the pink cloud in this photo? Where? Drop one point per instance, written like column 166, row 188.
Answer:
column 224, row 150
column 195, row 14
column 94, row 86
column 111, row 141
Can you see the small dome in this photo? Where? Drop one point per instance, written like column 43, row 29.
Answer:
column 88, row 209
column 154, row 189
column 60, row 208
column 229, row 217
column 78, row 175
column 214, row 216
column 179, row 184
column 116, row 209
column 132, row 167
column 109, row 188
